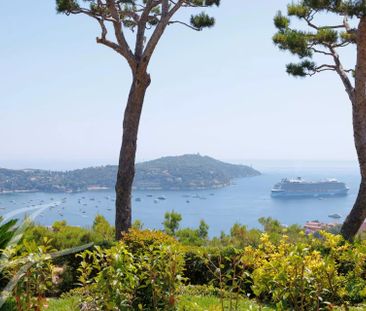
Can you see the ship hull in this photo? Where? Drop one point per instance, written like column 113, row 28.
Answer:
column 290, row 194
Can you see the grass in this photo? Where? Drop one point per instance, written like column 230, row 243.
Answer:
column 186, row 303
column 63, row 304
column 212, row 303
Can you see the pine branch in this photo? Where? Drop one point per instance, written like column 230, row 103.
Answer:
column 320, row 51
column 141, row 26
column 158, row 32
column 186, row 25
column 312, row 25
column 117, row 25
column 321, row 68
column 343, row 74
column 103, row 38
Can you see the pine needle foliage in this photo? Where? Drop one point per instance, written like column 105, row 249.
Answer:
column 317, row 39
column 131, row 11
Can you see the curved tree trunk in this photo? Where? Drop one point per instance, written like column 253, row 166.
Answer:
column 126, row 165
column 357, row 215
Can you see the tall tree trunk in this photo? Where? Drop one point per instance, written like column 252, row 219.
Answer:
column 126, row 165
column 357, row 215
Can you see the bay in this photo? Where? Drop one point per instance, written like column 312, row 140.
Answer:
column 243, row 202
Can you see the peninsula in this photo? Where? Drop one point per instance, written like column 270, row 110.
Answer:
column 186, row 172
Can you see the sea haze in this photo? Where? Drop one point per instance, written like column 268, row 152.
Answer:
column 243, row 202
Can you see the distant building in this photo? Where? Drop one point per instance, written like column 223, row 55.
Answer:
column 315, row 226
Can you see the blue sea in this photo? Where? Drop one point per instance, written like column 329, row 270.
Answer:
column 245, row 201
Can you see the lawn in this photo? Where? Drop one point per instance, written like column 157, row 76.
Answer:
column 186, row 303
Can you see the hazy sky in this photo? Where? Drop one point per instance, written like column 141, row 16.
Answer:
column 222, row 92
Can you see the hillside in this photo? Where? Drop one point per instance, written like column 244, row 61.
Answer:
column 188, row 172
column 168, row 173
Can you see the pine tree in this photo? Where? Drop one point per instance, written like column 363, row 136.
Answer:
column 316, row 42
column 147, row 19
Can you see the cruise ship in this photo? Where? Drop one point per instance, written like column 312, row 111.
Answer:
column 300, row 188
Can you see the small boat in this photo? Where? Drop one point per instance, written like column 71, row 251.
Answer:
column 188, row 201
column 162, row 198
column 335, row 216
column 138, row 199
column 156, row 201
column 149, row 195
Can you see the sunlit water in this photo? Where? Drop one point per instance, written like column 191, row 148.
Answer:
column 243, row 202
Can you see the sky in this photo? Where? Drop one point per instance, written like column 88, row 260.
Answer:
column 222, row 92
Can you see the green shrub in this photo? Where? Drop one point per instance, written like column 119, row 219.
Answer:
column 63, row 236
column 7, row 231
column 202, row 265
column 139, row 241
column 307, row 276
column 142, row 272
column 9, row 305
column 31, row 272
column 160, row 262
column 195, row 268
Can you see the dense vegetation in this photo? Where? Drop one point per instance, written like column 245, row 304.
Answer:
column 169, row 173
column 276, row 268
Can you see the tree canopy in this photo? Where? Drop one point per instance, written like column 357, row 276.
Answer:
column 146, row 18
column 317, row 38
